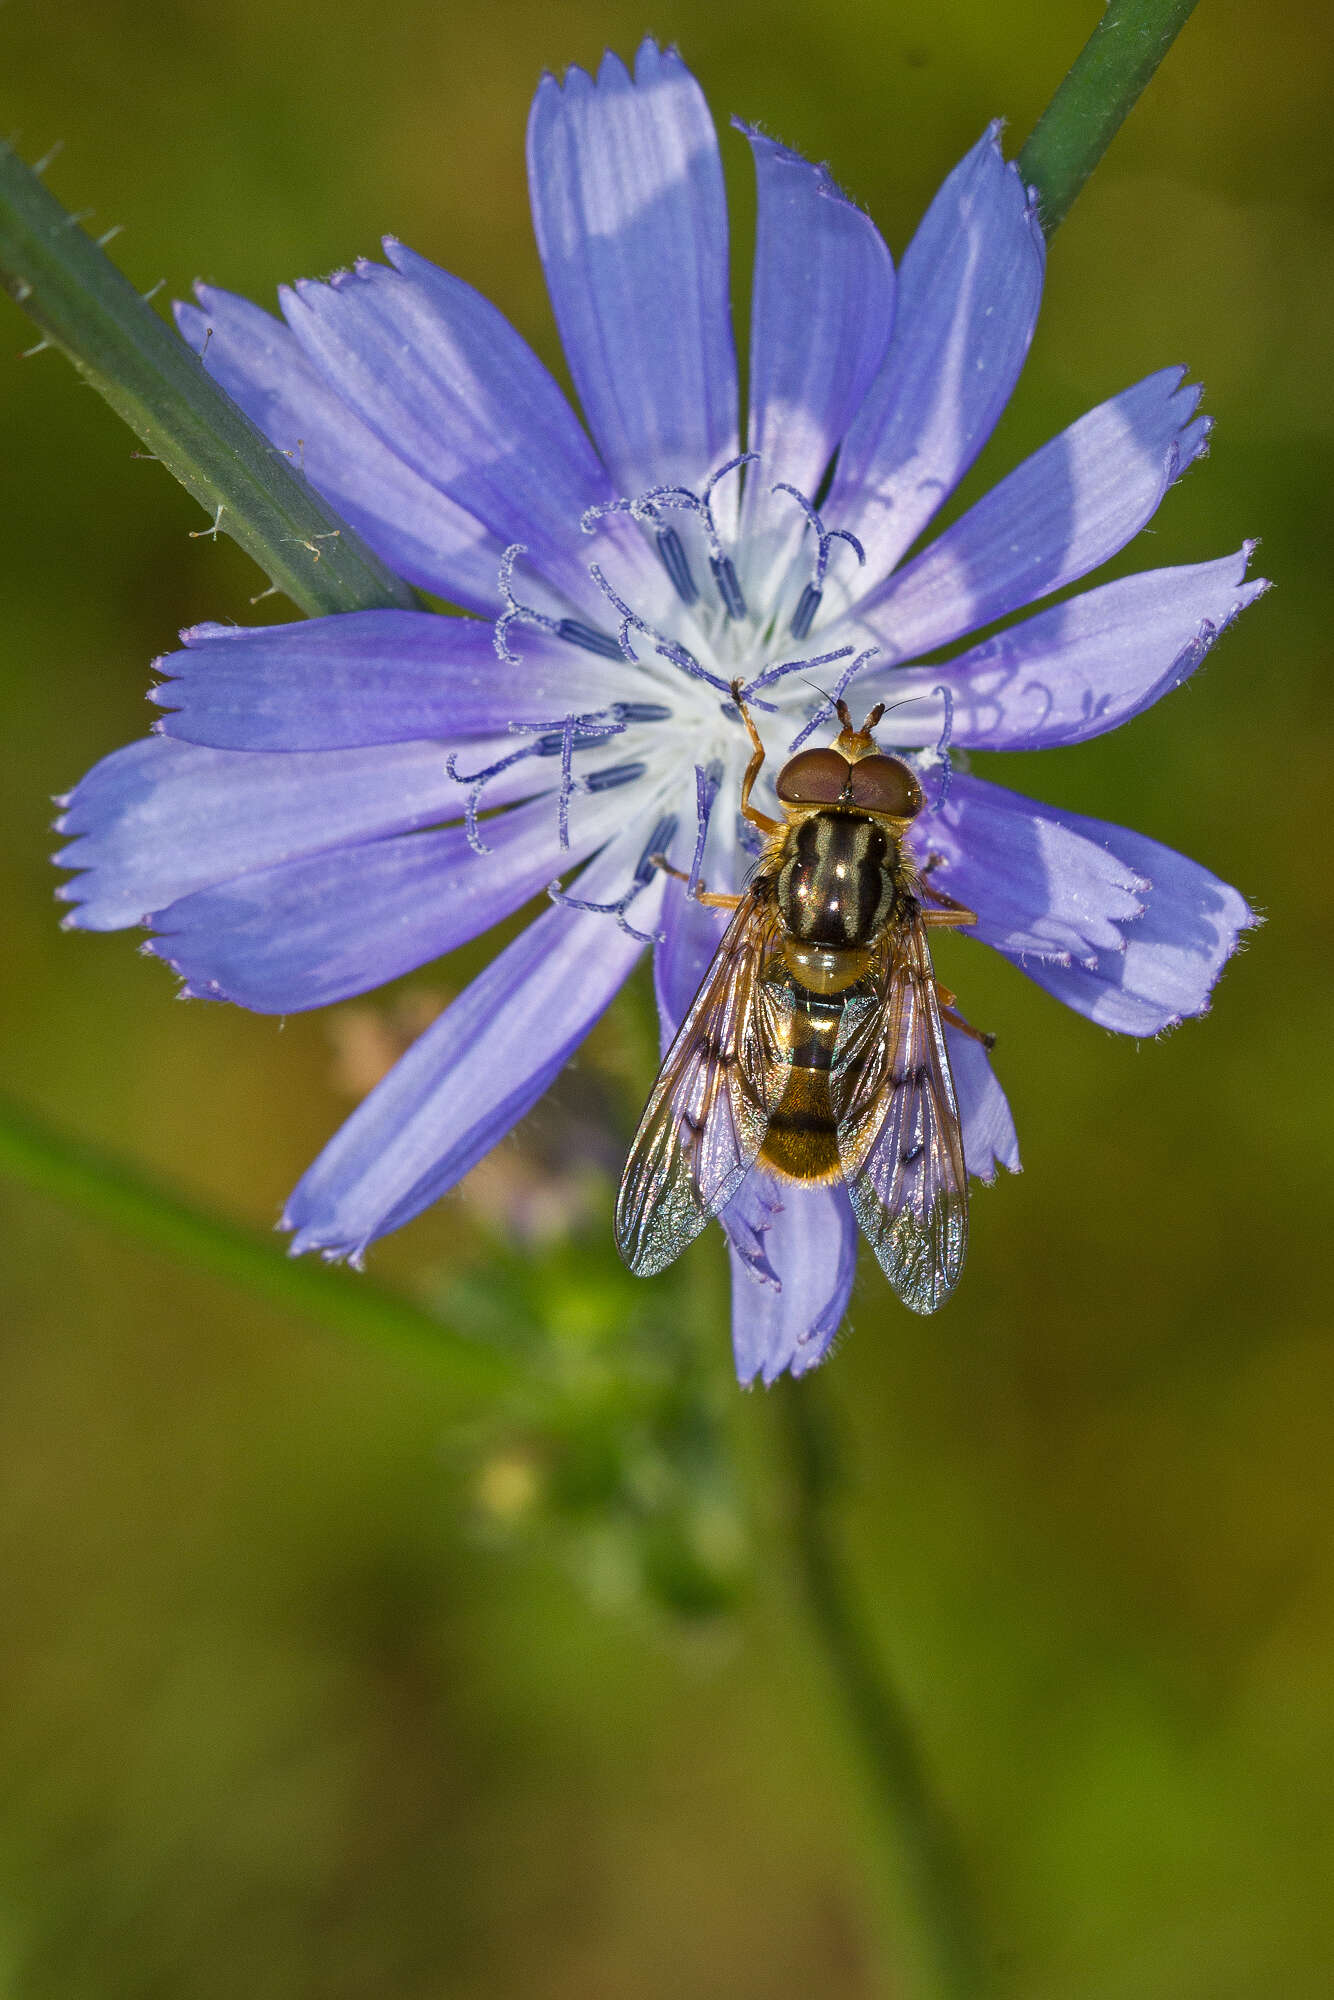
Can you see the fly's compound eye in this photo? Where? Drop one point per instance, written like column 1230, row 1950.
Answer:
column 884, row 785
column 814, row 778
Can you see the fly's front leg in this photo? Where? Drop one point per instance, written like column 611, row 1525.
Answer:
column 748, row 811
column 712, row 899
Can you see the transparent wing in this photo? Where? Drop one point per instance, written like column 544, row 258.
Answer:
column 898, row 1124
column 710, row 1109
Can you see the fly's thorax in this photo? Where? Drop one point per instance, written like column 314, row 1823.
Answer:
column 836, row 885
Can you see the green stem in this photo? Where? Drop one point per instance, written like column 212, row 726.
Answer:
column 926, row 1878
column 91, row 311
column 110, row 1191
column 1086, row 113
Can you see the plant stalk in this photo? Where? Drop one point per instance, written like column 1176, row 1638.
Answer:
column 1088, row 109
column 88, row 309
column 111, row 1191
column 927, row 1891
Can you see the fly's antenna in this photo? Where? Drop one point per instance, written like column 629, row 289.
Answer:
column 887, row 708
column 878, row 713
column 841, row 711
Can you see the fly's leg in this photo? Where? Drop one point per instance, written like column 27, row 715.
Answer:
column 758, row 819
column 949, row 1011
column 712, row 899
column 956, row 1020
column 952, row 916
column 949, row 914
column 949, row 910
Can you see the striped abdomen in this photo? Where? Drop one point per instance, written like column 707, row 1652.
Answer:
column 802, row 1141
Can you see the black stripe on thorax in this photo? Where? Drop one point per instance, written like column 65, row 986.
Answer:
column 836, row 885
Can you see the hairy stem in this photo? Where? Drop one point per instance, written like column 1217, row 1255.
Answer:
column 113, row 1192
column 92, row 313
column 1086, row 113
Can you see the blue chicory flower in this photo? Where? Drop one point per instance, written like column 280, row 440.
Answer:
column 313, row 814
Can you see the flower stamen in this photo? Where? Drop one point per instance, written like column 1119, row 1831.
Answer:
column 477, row 782
column 809, row 601
column 572, row 733
column 772, row 674
column 708, row 778
column 573, row 630
column 830, row 702
column 669, row 649
column 581, row 728
column 942, row 752
column 645, row 508
column 660, row 839
column 671, row 549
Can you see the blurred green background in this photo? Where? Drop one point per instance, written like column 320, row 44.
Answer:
column 321, row 1681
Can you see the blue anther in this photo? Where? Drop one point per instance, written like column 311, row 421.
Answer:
column 640, row 880
column 578, row 634
column 573, row 630
column 639, row 711
column 616, row 774
column 804, row 616
column 668, row 649
column 661, row 838
column 943, row 747
column 575, row 731
column 708, row 777
column 729, row 587
column 677, row 565
column 809, row 601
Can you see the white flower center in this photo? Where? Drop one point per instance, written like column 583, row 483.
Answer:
column 707, row 615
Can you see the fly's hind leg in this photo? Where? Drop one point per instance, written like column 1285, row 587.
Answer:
column 758, row 819
column 712, row 899
column 949, row 1012
column 953, row 916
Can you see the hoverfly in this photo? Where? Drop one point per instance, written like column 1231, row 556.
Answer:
column 815, row 1047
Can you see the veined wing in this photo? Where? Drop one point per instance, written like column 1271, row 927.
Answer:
column 898, row 1124
column 710, row 1108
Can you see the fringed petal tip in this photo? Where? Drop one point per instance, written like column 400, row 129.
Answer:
column 811, row 1349
column 311, row 1238
column 762, row 141
column 1167, row 960
column 1028, row 198
column 791, row 1291
column 764, row 1361
column 1234, row 940
column 613, row 72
